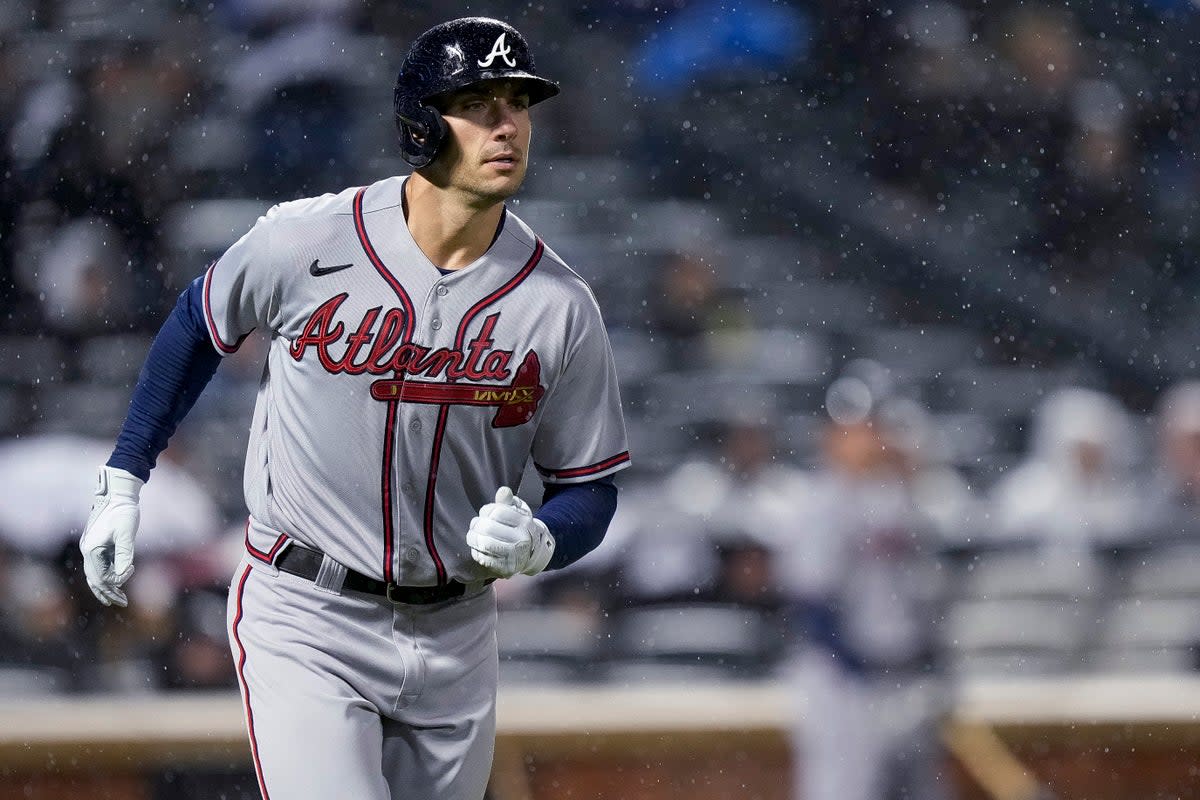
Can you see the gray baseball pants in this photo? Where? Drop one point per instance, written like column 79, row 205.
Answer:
column 352, row 696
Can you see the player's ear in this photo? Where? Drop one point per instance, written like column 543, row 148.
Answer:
column 422, row 131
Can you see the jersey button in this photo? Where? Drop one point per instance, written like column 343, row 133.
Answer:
column 411, row 555
column 442, row 291
column 436, row 324
column 409, row 489
column 415, row 425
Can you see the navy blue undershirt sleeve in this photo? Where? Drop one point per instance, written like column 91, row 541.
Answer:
column 819, row 621
column 577, row 515
column 179, row 365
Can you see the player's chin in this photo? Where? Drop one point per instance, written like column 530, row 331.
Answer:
column 504, row 171
column 504, row 185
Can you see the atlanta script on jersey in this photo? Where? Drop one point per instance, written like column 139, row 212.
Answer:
column 396, row 399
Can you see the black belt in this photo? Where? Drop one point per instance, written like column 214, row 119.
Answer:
column 306, row 563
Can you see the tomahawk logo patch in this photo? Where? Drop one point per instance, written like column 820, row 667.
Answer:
column 515, row 402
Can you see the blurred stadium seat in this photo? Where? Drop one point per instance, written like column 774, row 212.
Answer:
column 735, row 641
column 537, row 644
column 196, row 232
column 29, row 359
column 29, row 681
column 1015, row 636
column 113, row 360
column 1169, row 571
column 1034, row 575
column 1150, row 634
column 81, row 406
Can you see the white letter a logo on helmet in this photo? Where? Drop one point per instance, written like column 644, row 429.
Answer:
column 499, row 49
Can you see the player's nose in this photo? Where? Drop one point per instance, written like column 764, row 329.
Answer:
column 505, row 130
column 505, row 121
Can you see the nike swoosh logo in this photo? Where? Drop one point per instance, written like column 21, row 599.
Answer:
column 317, row 271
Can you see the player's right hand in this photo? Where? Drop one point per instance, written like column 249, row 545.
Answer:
column 107, row 541
column 507, row 539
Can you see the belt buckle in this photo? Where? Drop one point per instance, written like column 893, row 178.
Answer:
column 391, row 597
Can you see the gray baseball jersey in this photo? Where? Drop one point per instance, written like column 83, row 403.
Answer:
column 395, row 398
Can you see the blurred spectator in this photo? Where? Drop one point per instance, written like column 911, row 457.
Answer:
column 689, row 57
column 1174, row 507
column 46, row 637
column 12, row 297
column 924, row 122
column 659, row 538
column 861, row 564
column 750, row 39
column 52, row 608
column 1044, row 45
column 41, row 471
column 1075, row 489
column 11, row 653
column 1092, row 229
column 746, row 574
column 265, row 17
column 296, row 88
column 95, row 146
column 941, row 498
column 81, row 278
column 683, row 307
column 688, row 306
column 1086, row 184
column 17, row 308
column 703, row 530
column 1024, row 112
column 133, row 645
column 754, row 502
column 198, row 656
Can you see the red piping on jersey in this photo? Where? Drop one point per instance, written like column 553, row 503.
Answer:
column 512, row 283
column 434, row 460
column 389, row 533
column 444, row 411
column 241, row 665
column 590, row 469
column 389, row 439
column 208, row 317
column 360, row 226
column 269, row 556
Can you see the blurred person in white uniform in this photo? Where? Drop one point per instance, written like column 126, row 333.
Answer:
column 1174, row 495
column 862, row 570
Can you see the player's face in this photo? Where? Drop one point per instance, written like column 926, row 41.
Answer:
column 487, row 152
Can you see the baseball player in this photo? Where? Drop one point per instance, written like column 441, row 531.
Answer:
column 424, row 344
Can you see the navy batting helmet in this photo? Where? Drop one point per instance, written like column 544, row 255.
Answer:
column 449, row 57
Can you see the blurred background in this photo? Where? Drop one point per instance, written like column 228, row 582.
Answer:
column 903, row 297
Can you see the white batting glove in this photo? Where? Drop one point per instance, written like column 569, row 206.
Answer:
column 507, row 539
column 107, row 541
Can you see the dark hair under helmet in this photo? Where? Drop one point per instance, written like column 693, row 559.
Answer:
column 449, row 57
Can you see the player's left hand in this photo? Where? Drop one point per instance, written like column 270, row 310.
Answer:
column 507, row 539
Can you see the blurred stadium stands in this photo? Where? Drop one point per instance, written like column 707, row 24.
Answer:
column 989, row 202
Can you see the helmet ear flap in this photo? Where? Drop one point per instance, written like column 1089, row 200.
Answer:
column 422, row 131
